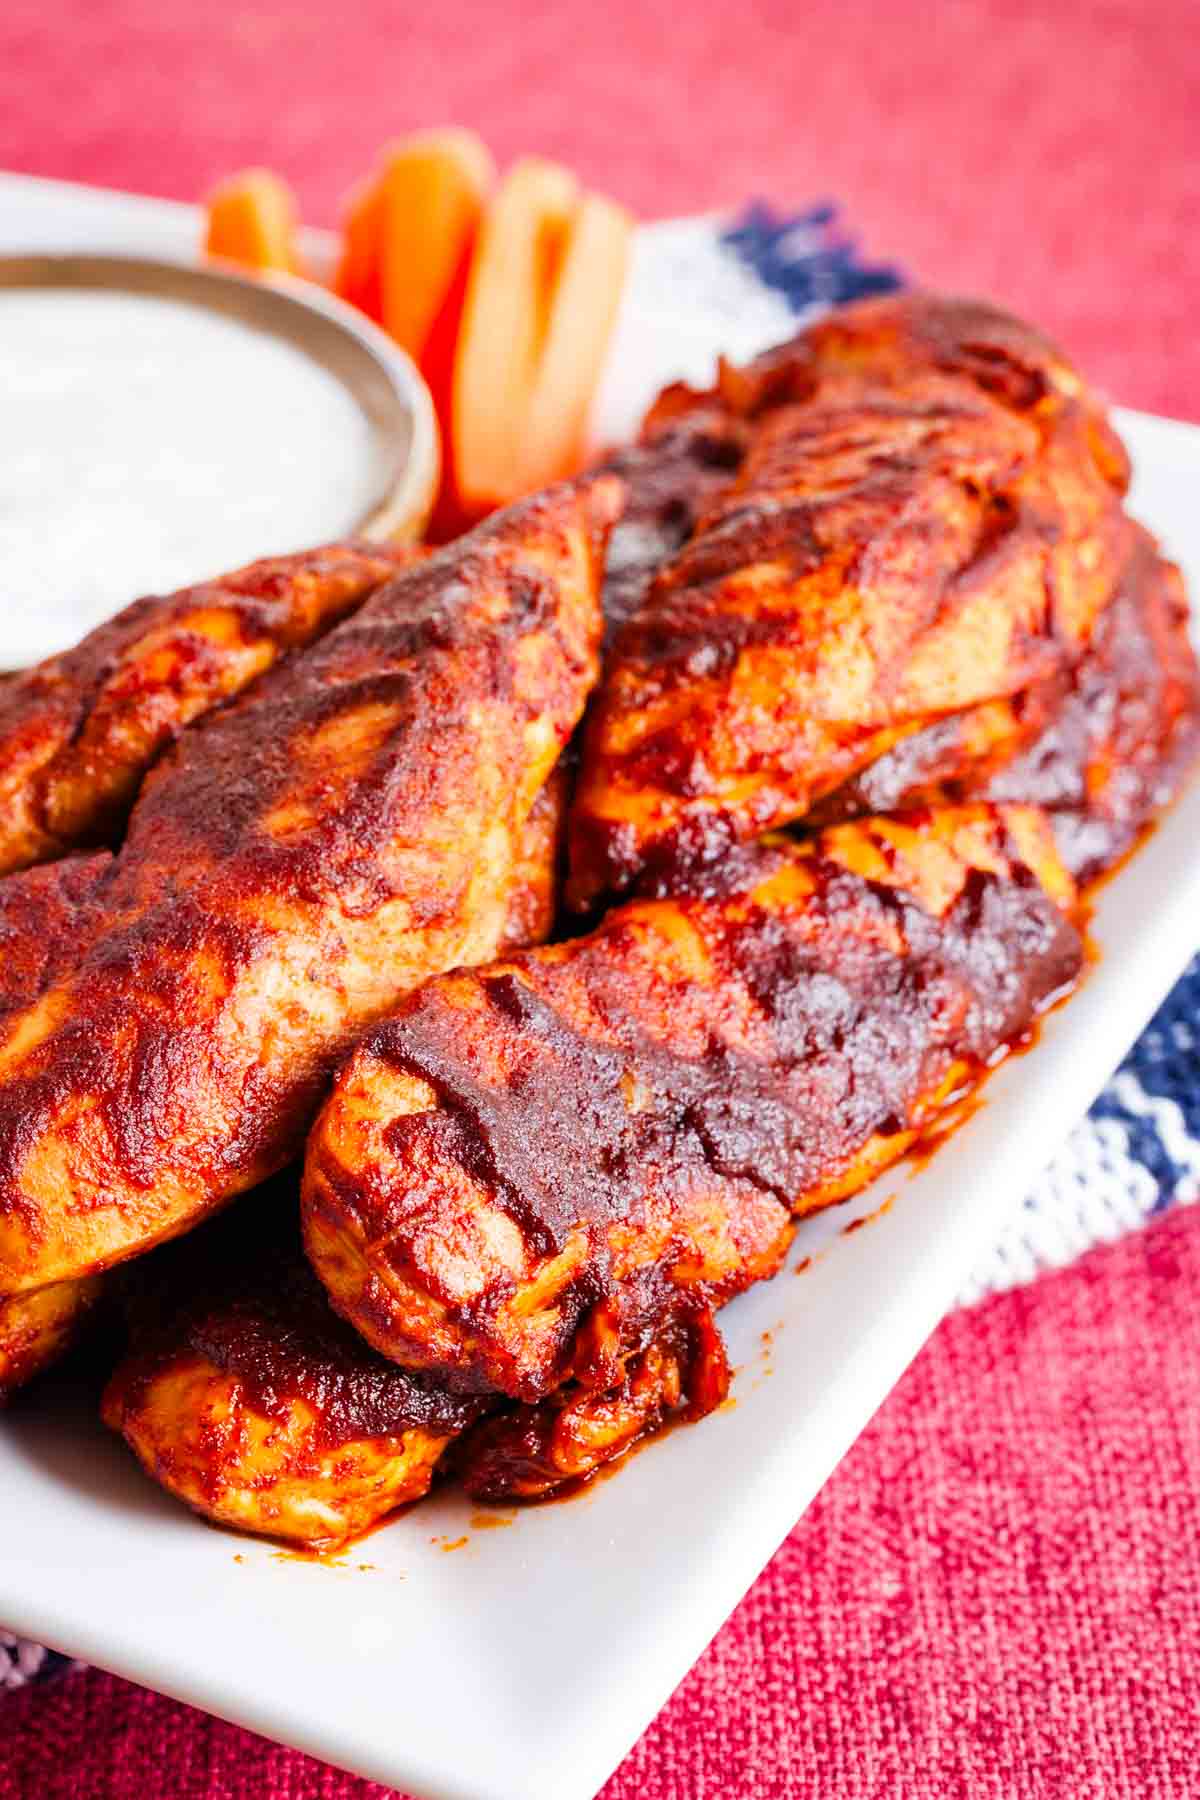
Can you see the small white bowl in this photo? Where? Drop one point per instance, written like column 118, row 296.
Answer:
column 80, row 566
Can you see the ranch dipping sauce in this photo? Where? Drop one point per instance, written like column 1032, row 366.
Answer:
column 146, row 444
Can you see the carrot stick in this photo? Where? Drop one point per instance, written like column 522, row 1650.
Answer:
column 506, row 315
column 252, row 221
column 357, row 278
column 450, row 518
column 582, row 315
column 434, row 190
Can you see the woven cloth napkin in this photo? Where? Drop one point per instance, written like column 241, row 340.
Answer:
column 743, row 285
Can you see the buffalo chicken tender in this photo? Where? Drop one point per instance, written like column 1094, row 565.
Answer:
column 245, row 1396
column 518, row 1177
column 928, row 517
column 353, row 824
column 79, row 732
column 1102, row 747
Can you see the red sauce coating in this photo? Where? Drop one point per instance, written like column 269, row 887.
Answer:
column 854, row 1035
column 239, row 1293
column 45, row 914
column 1101, row 747
column 927, row 517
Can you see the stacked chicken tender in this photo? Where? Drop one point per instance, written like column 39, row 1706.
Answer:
column 876, row 670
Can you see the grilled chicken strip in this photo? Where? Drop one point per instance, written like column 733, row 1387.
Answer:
column 44, row 912
column 243, row 1393
column 530, row 1451
column 245, row 1396
column 41, row 909
column 79, row 732
column 296, row 863
column 1102, row 747
column 928, row 518
column 524, row 1172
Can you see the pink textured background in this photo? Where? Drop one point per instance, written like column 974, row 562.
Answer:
column 997, row 1595
column 1048, row 155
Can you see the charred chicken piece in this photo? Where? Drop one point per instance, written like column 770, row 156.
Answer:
column 298, row 861
column 521, row 1175
column 243, row 1393
column 1102, row 747
column 1127, row 731
column 245, row 1396
column 79, row 732
column 928, row 517
column 532, row 1451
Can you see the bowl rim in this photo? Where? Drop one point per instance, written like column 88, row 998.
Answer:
column 381, row 377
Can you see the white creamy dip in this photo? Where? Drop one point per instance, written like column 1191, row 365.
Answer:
column 146, row 444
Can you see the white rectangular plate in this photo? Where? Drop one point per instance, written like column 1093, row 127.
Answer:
column 523, row 1664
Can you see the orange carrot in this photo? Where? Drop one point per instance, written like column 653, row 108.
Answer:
column 582, row 314
column 252, row 221
column 357, row 278
column 407, row 228
column 506, row 316
column 433, row 192
column 506, row 307
column 450, row 518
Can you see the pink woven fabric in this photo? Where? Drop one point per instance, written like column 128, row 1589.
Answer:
column 996, row 1597
column 1045, row 155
